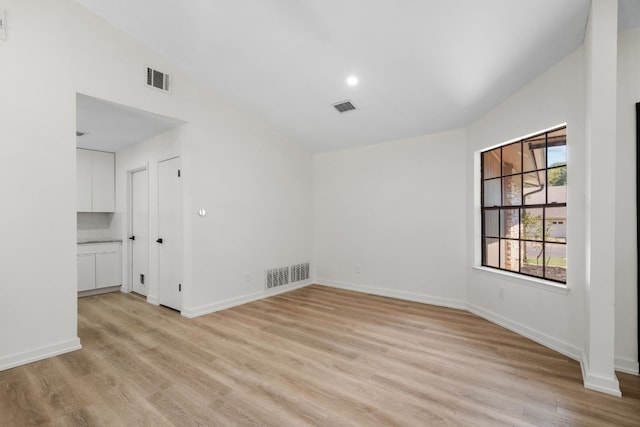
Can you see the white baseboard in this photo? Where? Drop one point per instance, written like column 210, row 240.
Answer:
column 520, row 329
column 604, row 385
column 191, row 312
column 153, row 299
column 543, row 339
column 627, row 366
column 99, row 291
column 14, row 360
column 597, row 383
column 386, row 292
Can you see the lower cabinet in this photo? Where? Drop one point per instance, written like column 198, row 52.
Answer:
column 86, row 272
column 98, row 266
column 107, row 269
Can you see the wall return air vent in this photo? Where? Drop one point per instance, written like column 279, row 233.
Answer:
column 299, row 272
column 276, row 277
column 285, row 275
column 158, row 80
column 344, row 106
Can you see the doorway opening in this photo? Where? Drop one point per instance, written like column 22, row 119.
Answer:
column 137, row 142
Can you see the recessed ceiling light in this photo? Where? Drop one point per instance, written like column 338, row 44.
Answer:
column 352, row 80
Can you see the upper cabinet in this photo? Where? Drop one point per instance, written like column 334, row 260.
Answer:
column 104, row 185
column 84, row 170
column 95, row 180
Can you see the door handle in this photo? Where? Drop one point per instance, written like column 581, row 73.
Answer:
column 159, row 240
column 132, row 238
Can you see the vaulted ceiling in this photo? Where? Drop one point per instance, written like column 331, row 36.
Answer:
column 423, row 65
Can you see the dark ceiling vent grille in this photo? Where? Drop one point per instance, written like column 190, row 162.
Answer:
column 78, row 133
column 344, row 106
column 158, row 80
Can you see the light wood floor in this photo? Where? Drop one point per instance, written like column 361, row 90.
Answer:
column 314, row 356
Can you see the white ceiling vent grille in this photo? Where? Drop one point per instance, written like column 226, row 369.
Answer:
column 276, row 277
column 300, row 272
column 158, row 80
column 344, row 106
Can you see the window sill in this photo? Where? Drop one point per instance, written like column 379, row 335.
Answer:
column 525, row 280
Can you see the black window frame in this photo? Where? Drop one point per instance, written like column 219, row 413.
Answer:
column 522, row 206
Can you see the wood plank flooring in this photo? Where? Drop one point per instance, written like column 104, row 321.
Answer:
column 315, row 356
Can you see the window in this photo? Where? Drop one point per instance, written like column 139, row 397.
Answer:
column 524, row 206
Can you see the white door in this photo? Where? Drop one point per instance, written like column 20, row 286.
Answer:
column 139, row 238
column 170, row 233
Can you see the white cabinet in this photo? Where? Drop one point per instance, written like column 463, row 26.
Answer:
column 107, row 269
column 103, row 186
column 98, row 266
column 84, row 167
column 95, row 181
column 86, row 272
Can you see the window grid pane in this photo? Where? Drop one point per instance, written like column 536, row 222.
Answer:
column 524, row 214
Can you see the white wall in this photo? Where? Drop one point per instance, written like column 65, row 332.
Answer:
column 37, row 178
column 626, row 348
column 257, row 191
column 538, row 311
column 255, row 183
column 397, row 210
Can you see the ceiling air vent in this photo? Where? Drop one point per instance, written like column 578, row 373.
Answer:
column 158, row 80
column 344, row 106
column 78, row 133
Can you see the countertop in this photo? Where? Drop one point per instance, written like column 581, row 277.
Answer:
column 86, row 242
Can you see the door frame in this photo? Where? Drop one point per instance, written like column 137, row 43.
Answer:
column 638, row 220
column 129, row 275
column 180, row 205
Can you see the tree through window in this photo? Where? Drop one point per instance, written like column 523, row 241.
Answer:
column 524, row 206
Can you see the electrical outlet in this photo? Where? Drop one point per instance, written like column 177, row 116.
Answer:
column 358, row 269
column 247, row 277
column 501, row 293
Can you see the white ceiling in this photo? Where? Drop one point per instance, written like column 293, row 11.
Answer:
column 111, row 127
column 424, row 65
